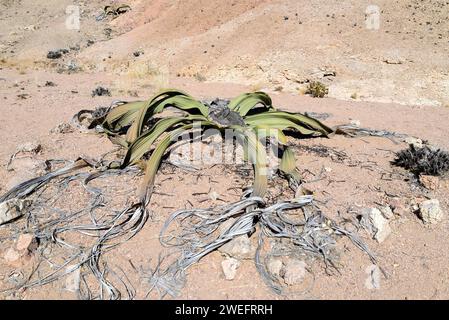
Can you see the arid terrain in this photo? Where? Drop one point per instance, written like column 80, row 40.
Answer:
column 392, row 77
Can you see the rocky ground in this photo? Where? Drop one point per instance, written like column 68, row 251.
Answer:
column 394, row 79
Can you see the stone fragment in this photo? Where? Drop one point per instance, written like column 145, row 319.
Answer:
column 430, row 211
column 230, row 266
column 376, row 224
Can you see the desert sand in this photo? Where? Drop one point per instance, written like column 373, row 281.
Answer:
column 393, row 77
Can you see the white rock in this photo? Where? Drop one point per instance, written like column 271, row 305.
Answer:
column 430, row 211
column 230, row 266
column 239, row 248
column 295, row 271
column 355, row 123
column 417, row 143
column 274, row 267
column 376, row 224
column 12, row 209
column 387, row 212
column 33, row 147
column 72, row 282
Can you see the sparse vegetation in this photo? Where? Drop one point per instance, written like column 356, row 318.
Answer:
column 317, row 89
column 423, row 160
column 250, row 115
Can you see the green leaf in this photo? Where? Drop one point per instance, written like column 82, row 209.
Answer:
column 258, row 157
column 143, row 144
column 245, row 102
column 122, row 116
column 146, row 188
column 267, row 131
column 285, row 120
column 173, row 99
column 288, row 165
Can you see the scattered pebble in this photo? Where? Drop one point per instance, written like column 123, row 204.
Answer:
column 230, row 266
column 375, row 223
column 430, row 211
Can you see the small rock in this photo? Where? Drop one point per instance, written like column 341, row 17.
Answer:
column 11, row 256
column 387, row 212
column 230, row 266
column 23, row 96
column 72, row 66
column 429, row 182
column 72, row 282
column 31, row 27
column 137, row 53
column 239, row 248
column 32, row 147
column 12, row 209
column 393, row 61
column 430, row 211
column 50, row 84
column 62, row 128
column 417, row 143
column 376, row 224
column 274, row 266
column 393, row 58
column 56, row 54
column 25, row 242
column 355, row 123
column 295, row 271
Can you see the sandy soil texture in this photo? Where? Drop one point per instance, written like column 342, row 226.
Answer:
column 393, row 78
